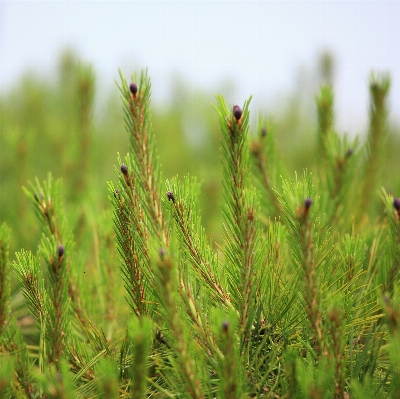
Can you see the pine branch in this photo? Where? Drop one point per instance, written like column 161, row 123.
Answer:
column 132, row 241
column 242, row 249
column 53, row 301
column 138, row 213
column 136, row 101
column 29, row 274
column 204, row 263
column 302, row 240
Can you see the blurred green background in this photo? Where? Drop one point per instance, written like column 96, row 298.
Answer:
column 59, row 125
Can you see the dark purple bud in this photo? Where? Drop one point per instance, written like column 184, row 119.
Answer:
column 396, row 203
column 225, row 326
column 263, row 132
column 237, row 112
column 133, row 88
column 124, row 169
column 170, row 196
column 307, row 203
column 60, row 250
column 116, row 193
column 161, row 252
column 349, row 153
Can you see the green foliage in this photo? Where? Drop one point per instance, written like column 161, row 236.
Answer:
column 299, row 299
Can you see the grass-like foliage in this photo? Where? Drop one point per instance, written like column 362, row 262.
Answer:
column 299, row 299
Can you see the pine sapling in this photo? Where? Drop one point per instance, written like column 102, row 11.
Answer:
column 136, row 99
column 242, row 246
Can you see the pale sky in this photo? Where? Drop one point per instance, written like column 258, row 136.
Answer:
column 259, row 45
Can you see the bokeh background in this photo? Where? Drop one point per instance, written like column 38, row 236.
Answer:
column 60, row 109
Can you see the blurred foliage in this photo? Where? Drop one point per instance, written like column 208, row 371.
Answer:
column 57, row 125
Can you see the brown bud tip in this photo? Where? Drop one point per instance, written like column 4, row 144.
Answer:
column 263, row 132
column 124, row 169
column 237, row 112
column 349, row 153
column 308, row 202
column 225, row 326
column 60, row 250
column 396, row 203
column 133, row 88
column 170, row 196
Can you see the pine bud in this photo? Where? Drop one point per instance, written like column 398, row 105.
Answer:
column 307, row 203
column 225, row 326
column 396, row 204
column 170, row 196
column 133, row 88
column 124, row 169
column 264, row 132
column 349, row 153
column 60, row 250
column 237, row 112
